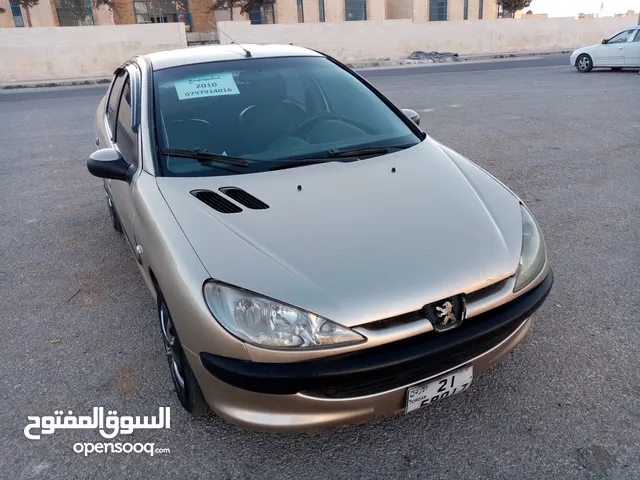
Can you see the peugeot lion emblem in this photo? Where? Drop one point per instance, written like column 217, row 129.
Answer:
column 446, row 314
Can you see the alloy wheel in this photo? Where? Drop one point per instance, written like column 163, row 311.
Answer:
column 172, row 348
column 584, row 63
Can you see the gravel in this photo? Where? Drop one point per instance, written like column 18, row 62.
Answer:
column 435, row 57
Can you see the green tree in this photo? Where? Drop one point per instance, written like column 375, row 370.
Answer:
column 245, row 5
column 512, row 6
column 76, row 8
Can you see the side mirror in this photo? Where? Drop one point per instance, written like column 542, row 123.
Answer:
column 604, row 42
column 107, row 163
column 412, row 114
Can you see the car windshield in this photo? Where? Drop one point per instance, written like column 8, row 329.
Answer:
column 268, row 113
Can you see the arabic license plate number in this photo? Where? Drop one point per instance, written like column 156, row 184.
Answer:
column 435, row 390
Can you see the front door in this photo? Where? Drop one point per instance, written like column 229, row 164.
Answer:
column 611, row 54
column 124, row 140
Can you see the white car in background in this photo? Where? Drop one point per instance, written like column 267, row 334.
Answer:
column 618, row 52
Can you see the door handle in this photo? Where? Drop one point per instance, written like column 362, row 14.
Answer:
column 619, row 48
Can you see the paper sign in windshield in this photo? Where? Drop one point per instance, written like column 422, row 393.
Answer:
column 207, row 86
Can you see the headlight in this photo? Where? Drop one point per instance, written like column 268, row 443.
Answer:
column 268, row 323
column 534, row 253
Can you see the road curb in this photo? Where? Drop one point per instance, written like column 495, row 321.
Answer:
column 74, row 82
column 468, row 59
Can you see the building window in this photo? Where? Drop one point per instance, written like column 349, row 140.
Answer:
column 502, row 13
column 262, row 15
column 355, row 10
column 437, row 10
column 17, row 14
column 466, row 9
column 480, row 8
column 74, row 13
column 163, row 11
column 300, row 11
column 321, row 10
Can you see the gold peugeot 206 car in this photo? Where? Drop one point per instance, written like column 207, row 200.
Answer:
column 316, row 257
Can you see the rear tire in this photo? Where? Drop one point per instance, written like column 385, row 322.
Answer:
column 184, row 381
column 616, row 69
column 584, row 63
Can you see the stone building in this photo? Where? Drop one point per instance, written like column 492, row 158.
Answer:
column 197, row 17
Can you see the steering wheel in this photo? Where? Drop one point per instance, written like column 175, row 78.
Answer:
column 310, row 122
column 180, row 133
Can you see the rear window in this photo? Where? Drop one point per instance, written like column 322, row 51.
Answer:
column 264, row 110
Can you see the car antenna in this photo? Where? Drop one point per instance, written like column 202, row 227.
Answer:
column 247, row 52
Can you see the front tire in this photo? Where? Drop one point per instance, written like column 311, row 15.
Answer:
column 184, row 381
column 584, row 63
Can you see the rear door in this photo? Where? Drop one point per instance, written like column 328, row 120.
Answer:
column 632, row 51
column 611, row 54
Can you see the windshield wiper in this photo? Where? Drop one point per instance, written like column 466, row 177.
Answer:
column 329, row 155
column 296, row 163
column 203, row 156
column 357, row 152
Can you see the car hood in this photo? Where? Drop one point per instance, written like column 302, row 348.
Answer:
column 360, row 241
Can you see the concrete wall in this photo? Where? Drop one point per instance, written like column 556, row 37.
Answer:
column 71, row 52
column 41, row 15
column 103, row 16
column 311, row 11
column 123, row 12
column 376, row 10
column 6, row 19
column 202, row 19
column 398, row 9
column 351, row 41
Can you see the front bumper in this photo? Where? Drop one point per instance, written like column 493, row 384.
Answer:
column 572, row 59
column 359, row 385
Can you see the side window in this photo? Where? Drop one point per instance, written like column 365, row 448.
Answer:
column 125, row 137
column 622, row 37
column 637, row 39
column 112, row 106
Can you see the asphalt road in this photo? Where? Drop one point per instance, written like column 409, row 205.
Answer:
column 81, row 331
column 470, row 66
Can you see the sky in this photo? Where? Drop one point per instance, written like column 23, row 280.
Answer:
column 570, row 8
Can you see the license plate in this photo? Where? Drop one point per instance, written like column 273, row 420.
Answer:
column 434, row 390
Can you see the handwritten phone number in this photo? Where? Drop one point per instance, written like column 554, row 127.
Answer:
column 208, row 91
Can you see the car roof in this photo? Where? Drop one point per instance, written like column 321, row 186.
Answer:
column 218, row 53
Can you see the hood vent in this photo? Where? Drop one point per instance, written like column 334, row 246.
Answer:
column 216, row 201
column 244, row 198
